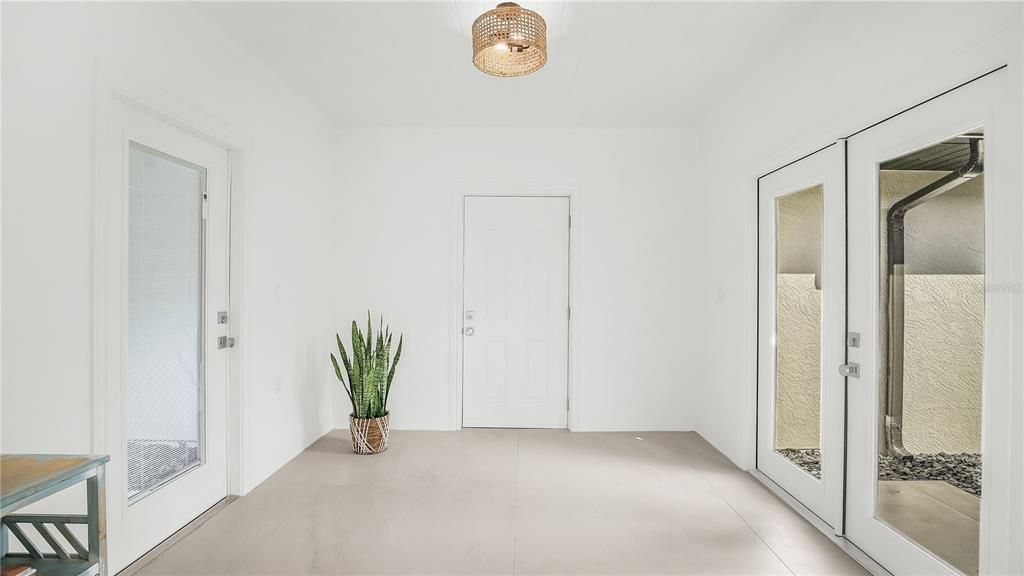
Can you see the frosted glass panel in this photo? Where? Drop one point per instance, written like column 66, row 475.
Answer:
column 165, row 382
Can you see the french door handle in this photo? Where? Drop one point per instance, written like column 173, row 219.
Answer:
column 849, row 370
column 225, row 342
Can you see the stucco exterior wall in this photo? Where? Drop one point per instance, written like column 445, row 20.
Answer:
column 943, row 362
column 943, row 352
column 944, row 312
column 797, row 362
column 944, row 317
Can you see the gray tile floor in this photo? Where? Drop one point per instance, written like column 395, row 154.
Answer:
column 508, row 501
column 936, row 515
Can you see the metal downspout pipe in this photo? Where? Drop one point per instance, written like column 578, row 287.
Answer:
column 895, row 265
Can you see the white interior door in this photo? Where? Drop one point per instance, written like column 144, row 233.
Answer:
column 516, row 308
column 931, row 227
column 801, row 334
column 166, row 402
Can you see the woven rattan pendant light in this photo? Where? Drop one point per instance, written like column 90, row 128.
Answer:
column 510, row 41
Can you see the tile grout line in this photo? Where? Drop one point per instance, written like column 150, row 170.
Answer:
column 744, row 520
column 515, row 504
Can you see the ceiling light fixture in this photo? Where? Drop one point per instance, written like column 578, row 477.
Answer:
column 510, row 41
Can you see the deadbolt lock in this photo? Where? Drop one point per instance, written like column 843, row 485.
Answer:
column 849, row 370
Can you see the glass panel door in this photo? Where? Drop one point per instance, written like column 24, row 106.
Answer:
column 921, row 251
column 165, row 252
column 801, row 295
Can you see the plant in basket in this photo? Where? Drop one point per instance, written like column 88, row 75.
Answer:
column 370, row 370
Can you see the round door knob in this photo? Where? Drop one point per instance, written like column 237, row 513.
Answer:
column 469, row 331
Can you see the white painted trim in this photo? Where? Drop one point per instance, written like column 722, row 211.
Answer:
column 459, row 193
column 845, row 545
column 111, row 88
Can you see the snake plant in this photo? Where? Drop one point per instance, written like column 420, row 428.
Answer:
column 370, row 369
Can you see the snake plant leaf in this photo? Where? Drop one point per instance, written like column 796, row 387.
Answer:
column 369, row 374
column 369, row 334
column 386, row 369
column 379, row 372
column 337, row 371
column 348, row 370
column 391, row 372
column 356, row 378
column 344, row 356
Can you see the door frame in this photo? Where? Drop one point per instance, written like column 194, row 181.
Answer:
column 109, row 347
column 458, row 201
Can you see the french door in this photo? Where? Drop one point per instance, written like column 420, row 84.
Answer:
column 919, row 322
column 166, row 400
column 929, row 231
column 516, row 312
column 801, row 303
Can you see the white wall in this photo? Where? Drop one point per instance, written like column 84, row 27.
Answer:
column 638, row 255
column 847, row 70
column 51, row 53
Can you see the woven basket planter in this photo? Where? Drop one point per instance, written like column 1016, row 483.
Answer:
column 369, row 435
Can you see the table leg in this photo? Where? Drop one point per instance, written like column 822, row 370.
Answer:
column 96, row 489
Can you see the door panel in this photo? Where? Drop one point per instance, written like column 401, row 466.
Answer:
column 516, row 290
column 920, row 258
column 801, row 292
column 167, row 430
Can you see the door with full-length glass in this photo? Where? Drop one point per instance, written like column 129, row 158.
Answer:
column 166, row 395
column 801, row 300
column 926, row 215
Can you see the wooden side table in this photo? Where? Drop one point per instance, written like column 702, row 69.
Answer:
column 28, row 478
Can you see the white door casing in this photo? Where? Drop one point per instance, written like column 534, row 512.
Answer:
column 136, row 527
column 825, row 168
column 515, row 312
column 974, row 106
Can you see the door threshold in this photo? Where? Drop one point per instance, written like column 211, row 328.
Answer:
column 178, row 536
column 842, row 542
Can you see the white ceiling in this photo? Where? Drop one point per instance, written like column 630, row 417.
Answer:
column 611, row 64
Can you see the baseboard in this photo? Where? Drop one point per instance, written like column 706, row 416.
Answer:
column 843, row 543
